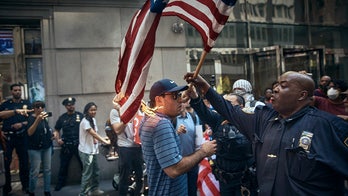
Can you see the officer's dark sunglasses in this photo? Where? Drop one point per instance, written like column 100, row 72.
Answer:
column 175, row 95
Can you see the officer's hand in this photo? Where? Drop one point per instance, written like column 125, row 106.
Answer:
column 198, row 82
column 209, row 148
column 191, row 92
column 24, row 112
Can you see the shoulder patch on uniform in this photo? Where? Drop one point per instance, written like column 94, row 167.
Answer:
column 346, row 141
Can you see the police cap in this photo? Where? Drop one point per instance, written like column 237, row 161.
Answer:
column 69, row 100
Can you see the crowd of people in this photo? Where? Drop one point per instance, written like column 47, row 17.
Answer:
column 26, row 130
column 293, row 138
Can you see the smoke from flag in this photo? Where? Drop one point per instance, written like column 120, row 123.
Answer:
column 135, row 58
column 207, row 16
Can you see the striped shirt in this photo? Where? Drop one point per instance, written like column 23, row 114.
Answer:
column 160, row 145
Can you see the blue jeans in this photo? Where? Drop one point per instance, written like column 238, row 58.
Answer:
column 36, row 157
column 90, row 173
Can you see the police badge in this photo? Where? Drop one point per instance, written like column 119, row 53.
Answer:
column 78, row 118
column 305, row 140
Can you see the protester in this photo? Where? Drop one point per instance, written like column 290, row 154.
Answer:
column 267, row 94
column 321, row 91
column 334, row 104
column 69, row 124
column 40, row 148
column 129, row 152
column 14, row 129
column 299, row 149
column 243, row 88
column 185, row 124
column 165, row 165
column 233, row 166
column 88, row 151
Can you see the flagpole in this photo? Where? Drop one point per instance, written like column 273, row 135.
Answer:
column 200, row 63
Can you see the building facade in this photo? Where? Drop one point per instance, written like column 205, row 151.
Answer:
column 70, row 47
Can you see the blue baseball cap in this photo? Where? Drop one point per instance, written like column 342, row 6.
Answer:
column 164, row 86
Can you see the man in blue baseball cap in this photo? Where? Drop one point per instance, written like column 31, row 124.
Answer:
column 166, row 166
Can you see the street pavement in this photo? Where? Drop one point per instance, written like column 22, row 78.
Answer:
column 105, row 185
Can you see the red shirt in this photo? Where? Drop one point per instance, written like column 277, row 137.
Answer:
column 328, row 106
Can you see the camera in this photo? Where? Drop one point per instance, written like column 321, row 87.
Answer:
column 49, row 114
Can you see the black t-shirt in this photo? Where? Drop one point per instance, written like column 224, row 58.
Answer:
column 41, row 139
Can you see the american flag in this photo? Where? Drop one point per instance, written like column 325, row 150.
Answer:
column 207, row 16
column 207, row 185
column 135, row 58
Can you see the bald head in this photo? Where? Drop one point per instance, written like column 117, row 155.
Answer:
column 293, row 92
column 325, row 80
column 303, row 81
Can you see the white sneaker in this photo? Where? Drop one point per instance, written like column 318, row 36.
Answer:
column 96, row 192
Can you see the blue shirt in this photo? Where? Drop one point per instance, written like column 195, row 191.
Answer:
column 305, row 154
column 187, row 139
column 160, row 145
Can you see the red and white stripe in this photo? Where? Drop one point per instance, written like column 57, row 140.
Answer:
column 207, row 16
column 134, row 61
column 207, row 185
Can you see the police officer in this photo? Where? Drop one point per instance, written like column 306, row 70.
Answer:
column 69, row 123
column 14, row 129
column 234, row 154
column 299, row 150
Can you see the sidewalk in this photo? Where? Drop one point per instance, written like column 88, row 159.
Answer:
column 105, row 185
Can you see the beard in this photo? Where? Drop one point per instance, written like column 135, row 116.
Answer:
column 17, row 96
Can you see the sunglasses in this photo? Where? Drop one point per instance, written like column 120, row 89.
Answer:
column 39, row 106
column 175, row 96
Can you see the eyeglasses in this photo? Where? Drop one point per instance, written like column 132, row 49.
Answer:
column 175, row 96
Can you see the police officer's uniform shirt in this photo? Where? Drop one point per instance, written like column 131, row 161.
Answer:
column 87, row 143
column 234, row 151
column 10, row 105
column 305, row 154
column 69, row 124
column 126, row 138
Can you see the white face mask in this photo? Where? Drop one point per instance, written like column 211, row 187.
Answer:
column 333, row 93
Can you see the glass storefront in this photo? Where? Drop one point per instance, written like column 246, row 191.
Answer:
column 265, row 38
column 21, row 60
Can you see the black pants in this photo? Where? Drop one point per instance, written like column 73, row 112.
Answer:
column 20, row 143
column 233, row 188
column 192, row 176
column 66, row 154
column 130, row 159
